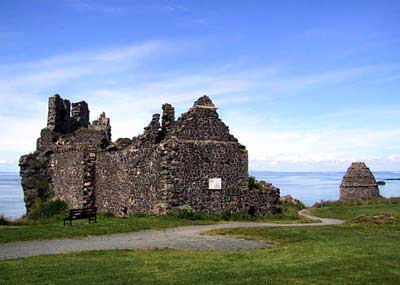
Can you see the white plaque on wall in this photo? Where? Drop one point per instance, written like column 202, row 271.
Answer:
column 214, row 184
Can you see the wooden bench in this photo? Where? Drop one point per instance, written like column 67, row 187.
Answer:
column 85, row 213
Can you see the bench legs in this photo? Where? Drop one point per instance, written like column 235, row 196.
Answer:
column 93, row 220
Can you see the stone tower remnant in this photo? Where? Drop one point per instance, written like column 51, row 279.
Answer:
column 80, row 115
column 192, row 160
column 358, row 184
column 58, row 119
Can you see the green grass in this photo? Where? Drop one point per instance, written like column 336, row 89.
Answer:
column 335, row 210
column 356, row 252
column 53, row 228
column 106, row 225
column 328, row 255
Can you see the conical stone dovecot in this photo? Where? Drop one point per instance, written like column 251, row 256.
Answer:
column 358, row 184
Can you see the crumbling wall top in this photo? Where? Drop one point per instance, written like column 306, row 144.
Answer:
column 204, row 102
column 80, row 115
column 202, row 122
column 168, row 117
column 102, row 123
column 59, row 119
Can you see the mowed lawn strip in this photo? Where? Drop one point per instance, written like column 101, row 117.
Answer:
column 81, row 228
column 353, row 253
column 55, row 229
column 317, row 256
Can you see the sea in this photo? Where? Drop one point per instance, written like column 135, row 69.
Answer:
column 309, row 187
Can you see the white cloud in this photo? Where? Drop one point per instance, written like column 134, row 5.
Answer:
column 291, row 84
column 130, row 109
column 333, row 148
column 130, row 104
column 23, row 85
column 61, row 68
column 20, row 134
column 394, row 157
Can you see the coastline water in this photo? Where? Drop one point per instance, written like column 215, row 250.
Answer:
column 11, row 195
column 309, row 187
column 313, row 187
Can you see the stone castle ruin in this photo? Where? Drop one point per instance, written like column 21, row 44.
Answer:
column 192, row 160
column 358, row 184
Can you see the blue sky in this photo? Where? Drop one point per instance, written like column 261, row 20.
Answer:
column 305, row 85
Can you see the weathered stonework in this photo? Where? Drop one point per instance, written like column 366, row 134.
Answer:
column 36, row 177
column 170, row 165
column 358, row 184
column 59, row 119
column 80, row 115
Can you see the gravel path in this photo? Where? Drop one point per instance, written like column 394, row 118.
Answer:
column 188, row 237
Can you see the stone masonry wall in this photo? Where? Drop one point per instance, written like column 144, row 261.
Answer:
column 36, row 177
column 59, row 115
column 201, row 148
column 68, row 176
column 196, row 162
column 168, row 166
column 202, row 122
column 128, row 181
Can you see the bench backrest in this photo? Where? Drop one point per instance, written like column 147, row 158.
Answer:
column 90, row 212
column 84, row 213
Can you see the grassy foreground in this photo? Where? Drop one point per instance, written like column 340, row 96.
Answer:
column 365, row 250
column 53, row 228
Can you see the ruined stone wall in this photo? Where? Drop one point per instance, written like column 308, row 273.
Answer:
column 170, row 165
column 259, row 201
column 73, row 166
column 59, row 115
column 80, row 115
column 195, row 162
column 88, row 137
column 202, row 123
column 200, row 148
column 64, row 163
column 35, row 177
column 128, row 181
column 68, row 176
